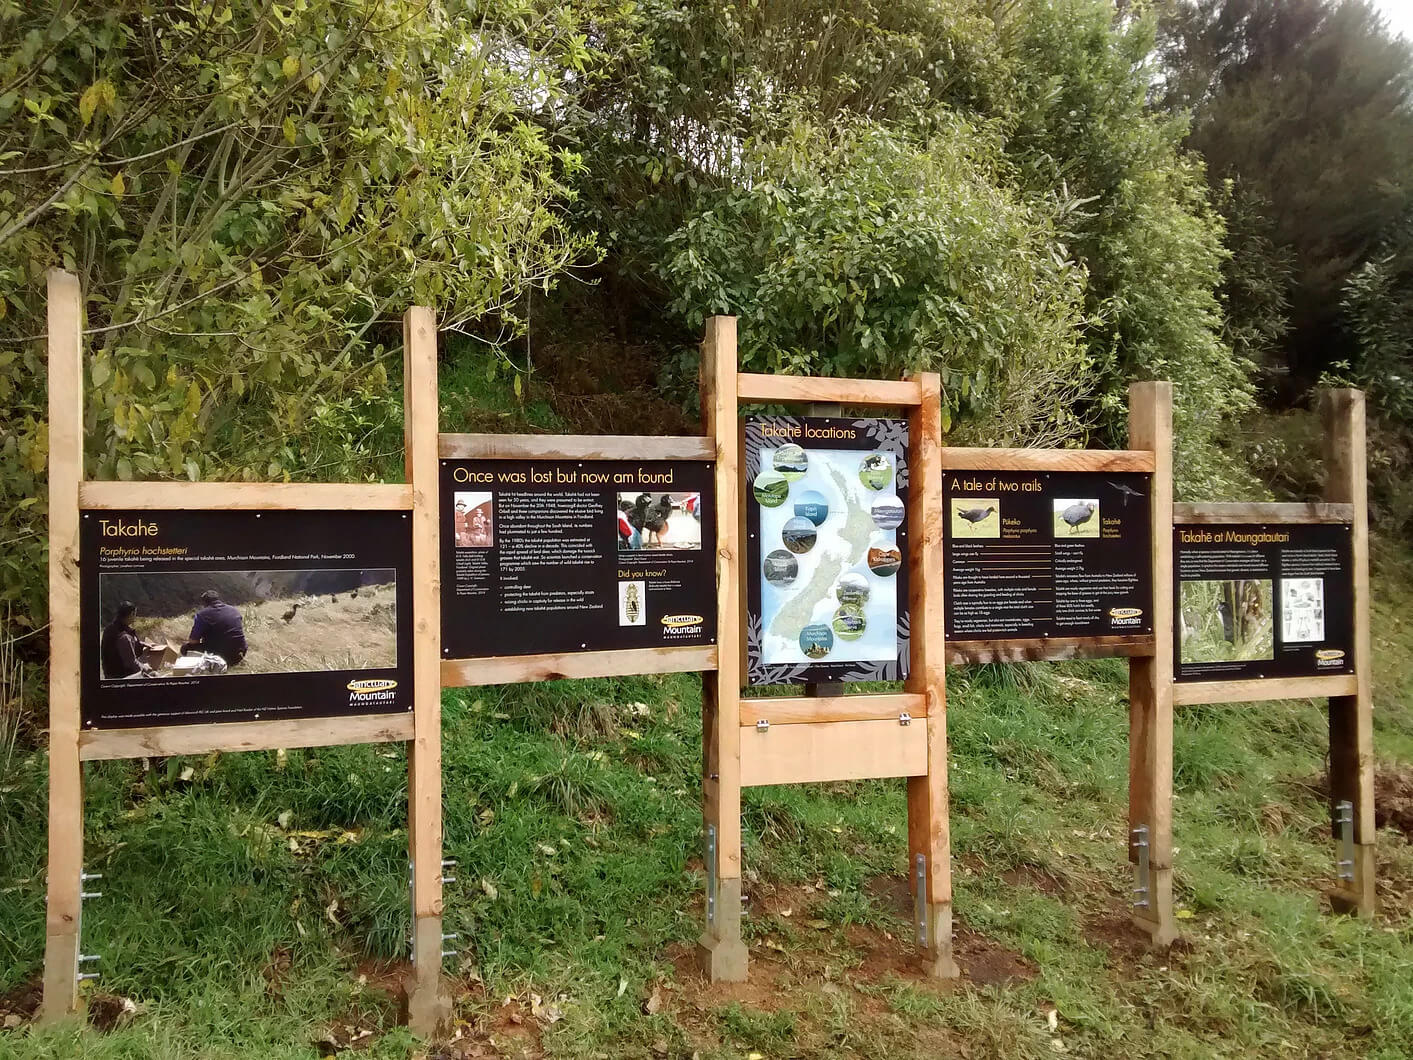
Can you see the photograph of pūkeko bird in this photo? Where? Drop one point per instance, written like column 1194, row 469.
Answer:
column 976, row 517
column 1077, row 516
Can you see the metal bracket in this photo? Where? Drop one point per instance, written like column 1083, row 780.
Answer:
column 82, row 958
column 1138, row 839
column 1344, row 818
column 763, row 725
column 711, row 874
column 449, row 863
column 920, row 896
column 905, row 719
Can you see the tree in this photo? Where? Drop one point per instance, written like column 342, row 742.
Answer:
column 1307, row 104
column 251, row 193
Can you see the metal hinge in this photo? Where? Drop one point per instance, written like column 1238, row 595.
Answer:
column 763, row 725
column 905, row 718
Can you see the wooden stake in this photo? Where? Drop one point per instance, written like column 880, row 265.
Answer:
column 428, row 1005
column 720, row 951
column 61, row 932
column 1150, row 755
column 929, row 832
column 1351, row 717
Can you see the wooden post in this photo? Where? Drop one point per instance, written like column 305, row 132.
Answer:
column 61, row 932
column 1351, row 717
column 929, row 833
column 1150, row 685
column 428, row 1005
column 720, row 951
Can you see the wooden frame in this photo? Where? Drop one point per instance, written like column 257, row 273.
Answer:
column 559, row 666
column 1350, row 695
column 828, row 735
column 428, row 1004
column 1149, row 654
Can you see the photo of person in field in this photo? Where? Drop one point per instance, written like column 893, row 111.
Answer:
column 254, row 621
column 472, row 520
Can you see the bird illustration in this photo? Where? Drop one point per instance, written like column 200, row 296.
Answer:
column 1126, row 492
column 1224, row 610
column 290, row 613
column 1078, row 514
column 976, row 515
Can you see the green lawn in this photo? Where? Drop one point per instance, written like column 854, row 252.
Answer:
column 257, row 906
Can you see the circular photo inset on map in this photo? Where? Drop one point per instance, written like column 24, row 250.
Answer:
column 770, row 489
column 852, row 588
column 887, row 513
column 790, row 461
column 849, row 622
column 781, row 568
column 816, row 640
column 811, row 505
column 876, row 470
column 799, row 535
column 884, row 557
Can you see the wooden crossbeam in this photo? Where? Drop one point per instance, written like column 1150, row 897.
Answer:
column 960, row 459
column 791, row 388
column 574, row 447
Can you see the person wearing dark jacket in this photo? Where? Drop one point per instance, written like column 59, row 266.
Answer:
column 218, row 629
column 121, row 648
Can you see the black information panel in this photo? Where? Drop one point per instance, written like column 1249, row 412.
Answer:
column 1262, row 601
column 545, row 556
column 826, row 552
column 191, row 617
column 1037, row 554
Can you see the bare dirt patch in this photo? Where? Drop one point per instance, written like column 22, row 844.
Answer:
column 1393, row 799
column 20, row 1004
column 1128, row 946
column 1036, row 879
column 985, row 962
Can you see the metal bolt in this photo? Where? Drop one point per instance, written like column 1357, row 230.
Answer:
column 90, row 894
column 87, row 975
column 89, row 957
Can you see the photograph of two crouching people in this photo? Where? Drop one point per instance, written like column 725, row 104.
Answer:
column 247, row 622
column 216, row 642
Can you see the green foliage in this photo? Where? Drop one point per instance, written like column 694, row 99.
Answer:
column 1149, row 240
column 857, row 252
column 953, row 186
column 1307, row 102
column 251, row 195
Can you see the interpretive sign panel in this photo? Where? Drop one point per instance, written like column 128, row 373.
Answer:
column 191, row 617
column 827, row 593
column 550, row 556
column 1047, row 554
column 1263, row 601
